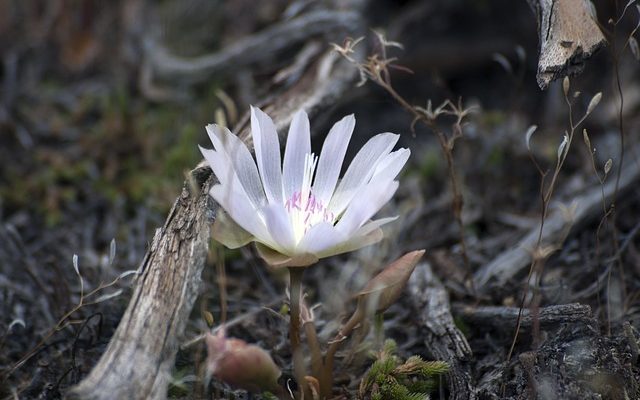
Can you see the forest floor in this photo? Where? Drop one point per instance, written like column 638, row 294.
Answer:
column 93, row 154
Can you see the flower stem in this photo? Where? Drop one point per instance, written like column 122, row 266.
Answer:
column 295, row 290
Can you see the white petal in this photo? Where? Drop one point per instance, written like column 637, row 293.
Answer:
column 279, row 226
column 355, row 242
column 226, row 231
column 389, row 167
column 272, row 257
column 369, row 200
column 279, row 260
column 325, row 240
column 222, row 167
column 373, row 225
column 298, row 145
column 331, row 158
column 361, row 169
column 267, row 145
column 319, row 238
column 239, row 207
column 219, row 163
column 240, row 156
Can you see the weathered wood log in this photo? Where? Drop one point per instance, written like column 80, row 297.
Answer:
column 588, row 205
column 568, row 36
column 442, row 338
column 506, row 318
column 138, row 360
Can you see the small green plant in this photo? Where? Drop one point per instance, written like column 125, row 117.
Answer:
column 390, row 378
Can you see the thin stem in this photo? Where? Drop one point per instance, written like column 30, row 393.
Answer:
column 457, row 201
column 295, row 290
column 222, row 285
column 345, row 331
column 317, row 363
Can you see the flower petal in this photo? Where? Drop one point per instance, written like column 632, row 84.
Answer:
column 226, row 231
column 243, row 164
column 279, row 260
column 355, row 242
column 239, row 207
column 319, row 238
column 279, row 226
column 325, row 240
column 267, row 145
column 361, row 169
column 222, row 167
column 298, row 146
column 272, row 257
column 219, row 163
column 370, row 199
column 331, row 158
column 389, row 167
column 372, row 225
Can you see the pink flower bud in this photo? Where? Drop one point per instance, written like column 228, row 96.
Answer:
column 385, row 288
column 242, row 365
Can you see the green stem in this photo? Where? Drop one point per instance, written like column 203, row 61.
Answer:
column 316, row 354
column 295, row 291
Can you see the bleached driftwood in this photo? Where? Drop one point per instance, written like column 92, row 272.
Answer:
column 568, row 36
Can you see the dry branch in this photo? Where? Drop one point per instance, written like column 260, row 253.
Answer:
column 505, row 318
column 568, row 37
column 588, row 206
column 138, row 361
column 258, row 47
column 442, row 338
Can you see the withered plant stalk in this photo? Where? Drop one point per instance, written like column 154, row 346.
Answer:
column 376, row 69
column 540, row 252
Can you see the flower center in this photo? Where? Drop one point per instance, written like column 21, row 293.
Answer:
column 305, row 210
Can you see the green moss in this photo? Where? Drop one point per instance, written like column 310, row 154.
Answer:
column 390, row 378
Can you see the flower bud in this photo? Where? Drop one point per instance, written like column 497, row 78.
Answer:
column 242, row 365
column 385, row 288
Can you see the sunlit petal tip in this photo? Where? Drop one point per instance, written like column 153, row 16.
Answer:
column 206, row 153
column 332, row 158
column 267, row 146
column 215, row 134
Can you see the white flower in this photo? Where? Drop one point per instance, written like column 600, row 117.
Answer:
column 298, row 211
